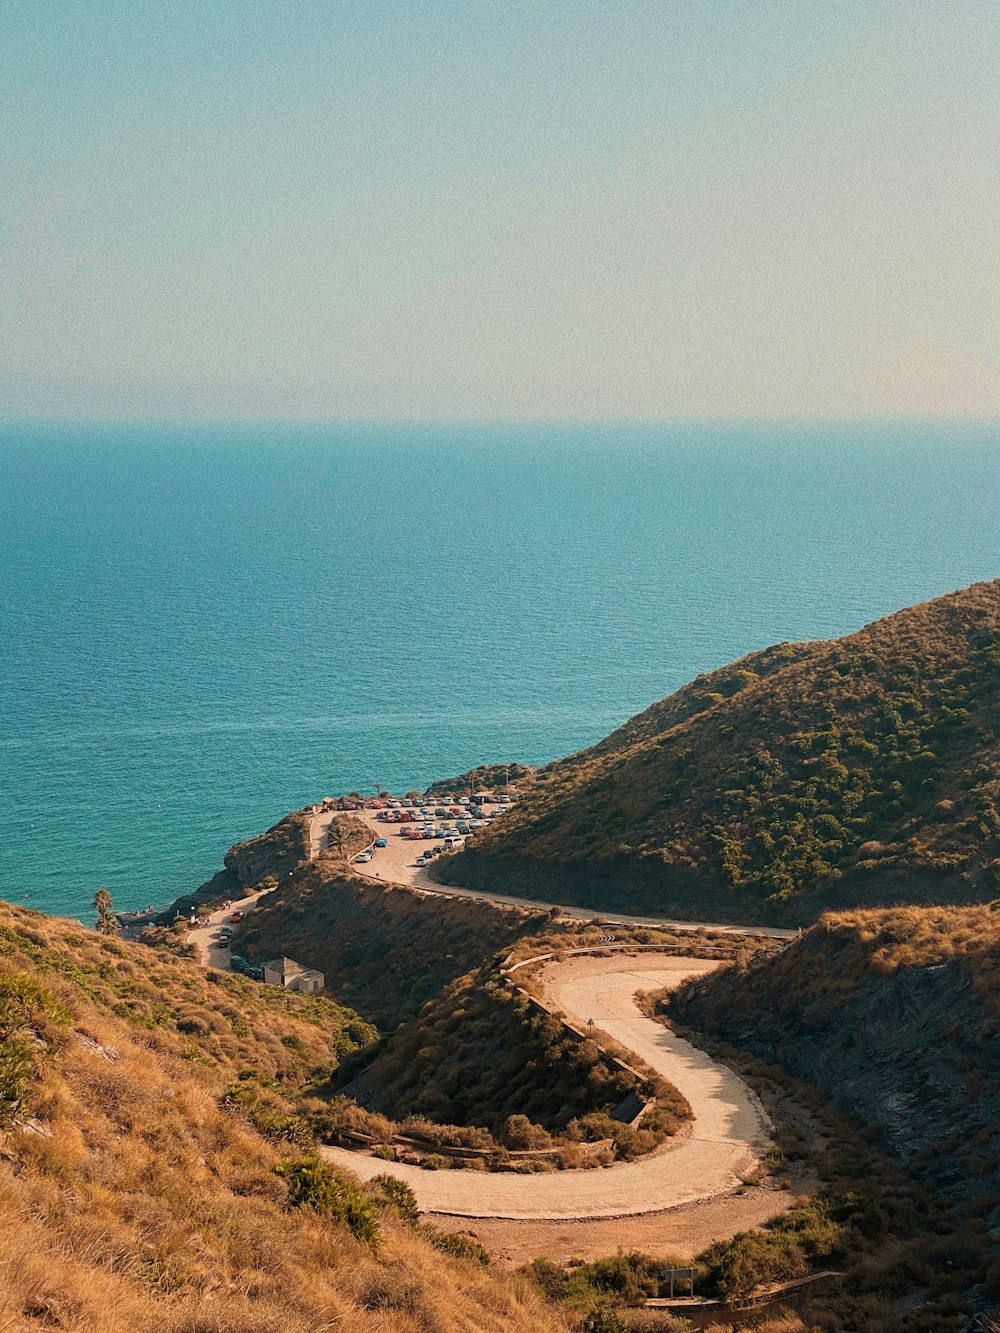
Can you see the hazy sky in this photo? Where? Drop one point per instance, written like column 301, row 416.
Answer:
column 318, row 208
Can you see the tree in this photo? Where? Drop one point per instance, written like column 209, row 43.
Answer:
column 107, row 921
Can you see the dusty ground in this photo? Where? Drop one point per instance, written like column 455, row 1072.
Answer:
column 729, row 1132
column 682, row 1232
column 205, row 937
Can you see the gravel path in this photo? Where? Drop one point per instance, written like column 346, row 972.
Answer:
column 729, row 1133
column 396, row 864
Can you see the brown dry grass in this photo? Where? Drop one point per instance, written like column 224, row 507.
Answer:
column 131, row 1200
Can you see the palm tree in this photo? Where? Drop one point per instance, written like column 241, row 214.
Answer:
column 107, row 921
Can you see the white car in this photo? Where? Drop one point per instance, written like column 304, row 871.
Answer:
column 364, row 858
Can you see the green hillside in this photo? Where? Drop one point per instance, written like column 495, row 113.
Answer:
column 863, row 770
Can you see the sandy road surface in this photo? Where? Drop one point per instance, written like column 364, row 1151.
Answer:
column 396, row 864
column 729, row 1133
column 205, row 937
column 679, row 1232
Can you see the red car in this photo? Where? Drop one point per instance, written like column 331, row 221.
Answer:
column 236, row 916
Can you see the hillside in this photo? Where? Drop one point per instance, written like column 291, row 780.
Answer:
column 853, row 772
column 894, row 1015
column 383, row 950
column 492, row 1066
column 135, row 1191
column 275, row 853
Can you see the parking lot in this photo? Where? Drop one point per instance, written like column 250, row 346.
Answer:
column 397, row 824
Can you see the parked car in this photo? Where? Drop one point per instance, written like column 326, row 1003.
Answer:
column 363, row 858
column 238, row 963
column 226, row 932
column 381, row 842
column 223, row 943
column 237, row 916
column 255, row 973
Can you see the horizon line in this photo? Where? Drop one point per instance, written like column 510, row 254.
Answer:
column 499, row 422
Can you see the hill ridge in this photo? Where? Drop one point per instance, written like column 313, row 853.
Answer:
column 789, row 780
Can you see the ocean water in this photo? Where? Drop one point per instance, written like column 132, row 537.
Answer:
column 202, row 628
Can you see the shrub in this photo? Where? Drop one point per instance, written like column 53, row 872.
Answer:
column 435, row 1162
column 27, row 1013
column 313, row 1184
column 398, row 1196
column 520, row 1133
column 460, row 1247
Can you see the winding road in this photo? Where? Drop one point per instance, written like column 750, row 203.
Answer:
column 728, row 1135
column 396, row 864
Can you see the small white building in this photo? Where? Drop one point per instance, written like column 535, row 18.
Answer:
column 293, row 976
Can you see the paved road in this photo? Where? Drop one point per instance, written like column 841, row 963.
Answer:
column 396, row 864
column 730, row 1130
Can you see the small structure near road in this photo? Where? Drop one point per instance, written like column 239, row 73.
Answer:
column 293, row 976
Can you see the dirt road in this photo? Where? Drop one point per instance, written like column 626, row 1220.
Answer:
column 396, row 864
column 729, row 1133
column 205, row 936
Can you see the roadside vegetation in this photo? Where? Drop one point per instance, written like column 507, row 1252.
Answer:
column 137, row 1194
column 900, row 1260
column 385, row 951
column 860, row 770
column 893, row 1014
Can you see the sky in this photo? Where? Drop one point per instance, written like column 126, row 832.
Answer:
column 699, row 209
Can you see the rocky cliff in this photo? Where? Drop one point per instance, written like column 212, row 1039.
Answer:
column 895, row 1016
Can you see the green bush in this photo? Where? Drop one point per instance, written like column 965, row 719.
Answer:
column 460, row 1247
column 398, row 1196
column 313, row 1184
column 27, row 1014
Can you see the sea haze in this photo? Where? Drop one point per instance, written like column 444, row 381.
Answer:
column 201, row 629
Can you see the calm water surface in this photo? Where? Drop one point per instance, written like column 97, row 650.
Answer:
column 201, row 629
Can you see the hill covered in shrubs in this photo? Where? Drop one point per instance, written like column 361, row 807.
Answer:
column 149, row 1181
column 383, row 950
column 853, row 772
column 894, row 1015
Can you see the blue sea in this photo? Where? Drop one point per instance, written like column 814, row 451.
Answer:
column 203, row 628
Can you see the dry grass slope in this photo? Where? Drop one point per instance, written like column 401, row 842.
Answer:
column 133, row 1197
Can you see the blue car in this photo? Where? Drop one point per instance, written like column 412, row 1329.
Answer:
column 381, row 842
